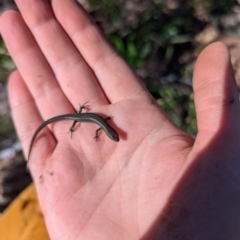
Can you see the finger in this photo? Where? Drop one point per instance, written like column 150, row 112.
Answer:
column 115, row 76
column 216, row 96
column 69, row 67
column 26, row 117
column 33, row 66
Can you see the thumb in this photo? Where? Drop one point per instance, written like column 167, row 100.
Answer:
column 215, row 94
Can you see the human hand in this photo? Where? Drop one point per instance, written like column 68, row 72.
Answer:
column 157, row 182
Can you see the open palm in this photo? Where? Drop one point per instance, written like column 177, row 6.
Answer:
column 157, row 182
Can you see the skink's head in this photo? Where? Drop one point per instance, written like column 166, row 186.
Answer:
column 114, row 136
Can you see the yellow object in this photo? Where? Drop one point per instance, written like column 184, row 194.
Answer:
column 23, row 219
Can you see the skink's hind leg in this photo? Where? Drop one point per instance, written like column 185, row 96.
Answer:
column 73, row 128
column 96, row 134
column 107, row 118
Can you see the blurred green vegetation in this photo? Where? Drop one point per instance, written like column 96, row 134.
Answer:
column 6, row 64
column 6, row 129
column 158, row 39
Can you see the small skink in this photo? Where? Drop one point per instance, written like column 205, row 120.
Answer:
column 79, row 117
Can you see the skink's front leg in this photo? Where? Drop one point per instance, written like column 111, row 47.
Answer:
column 97, row 131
